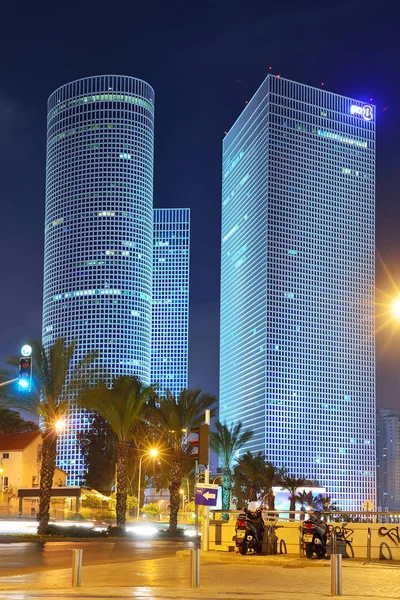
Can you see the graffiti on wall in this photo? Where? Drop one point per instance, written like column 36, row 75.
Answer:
column 392, row 534
column 344, row 535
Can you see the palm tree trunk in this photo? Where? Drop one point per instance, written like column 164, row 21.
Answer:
column 174, row 496
column 226, row 489
column 270, row 500
column 122, row 482
column 49, row 453
column 253, row 493
column 292, row 507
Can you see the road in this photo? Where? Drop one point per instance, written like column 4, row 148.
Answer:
column 168, row 579
column 16, row 558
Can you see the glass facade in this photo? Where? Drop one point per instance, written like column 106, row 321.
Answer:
column 169, row 350
column 297, row 284
column 388, row 459
column 99, row 231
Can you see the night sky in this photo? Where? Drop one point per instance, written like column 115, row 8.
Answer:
column 204, row 59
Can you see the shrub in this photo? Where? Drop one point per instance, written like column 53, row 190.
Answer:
column 104, row 513
column 55, row 501
column 85, row 513
column 91, row 501
column 165, row 533
column 151, row 510
column 74, row 531
column 90, row 514
column 71, row 515
column 114, row 531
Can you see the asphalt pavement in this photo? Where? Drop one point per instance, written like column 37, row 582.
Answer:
column 28, row 557
column 228, row 577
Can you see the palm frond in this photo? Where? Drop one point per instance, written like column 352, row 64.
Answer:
column 54, row 376
column 226, row 441
column 122, row 406
column 177, row 415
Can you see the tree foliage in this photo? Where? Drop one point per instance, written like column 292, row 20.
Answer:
column 174, row 418
column 57, row 376
column 273, row 476
column 124, row 407
column 99, row 450
column 92, row 501
column 323, row 503
column 12, row 422
column 226, row 442
column 248, row 475
column 151, row 510
column 292, row 484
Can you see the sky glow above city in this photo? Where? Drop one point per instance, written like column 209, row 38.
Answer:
column 205, row 61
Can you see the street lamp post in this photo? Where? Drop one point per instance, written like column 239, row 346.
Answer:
column 153, row 452
column 2, row 481
column 182, row 493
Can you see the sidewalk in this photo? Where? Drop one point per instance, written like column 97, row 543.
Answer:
column 168, row 578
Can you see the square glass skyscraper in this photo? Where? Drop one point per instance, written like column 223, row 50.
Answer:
column 170, row 329
column 297, row 284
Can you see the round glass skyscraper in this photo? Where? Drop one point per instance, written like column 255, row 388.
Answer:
column 99, row 231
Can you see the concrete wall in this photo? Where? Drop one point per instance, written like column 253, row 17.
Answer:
column 385, row 538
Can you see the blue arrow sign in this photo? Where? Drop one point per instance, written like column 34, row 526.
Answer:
column 206, row 494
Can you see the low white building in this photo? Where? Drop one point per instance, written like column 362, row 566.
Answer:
column 20, row 462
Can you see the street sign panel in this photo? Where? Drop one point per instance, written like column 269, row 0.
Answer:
column 206, row 494
column 368, row 505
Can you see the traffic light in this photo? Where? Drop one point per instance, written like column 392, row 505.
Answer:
column 201, row 443
column 25, row 373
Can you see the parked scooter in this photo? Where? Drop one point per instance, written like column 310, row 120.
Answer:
column 313, row 536
column 249, row 530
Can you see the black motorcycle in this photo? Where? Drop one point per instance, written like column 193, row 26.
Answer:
column 313, row 537
column 249, row 531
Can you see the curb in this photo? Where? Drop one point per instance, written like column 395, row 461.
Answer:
column 290, row 561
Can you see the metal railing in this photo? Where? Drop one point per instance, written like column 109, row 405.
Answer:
column 331, row 516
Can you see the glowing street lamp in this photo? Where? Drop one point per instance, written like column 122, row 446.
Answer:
column 153, row 453
column 396, row 309
column 59, row 425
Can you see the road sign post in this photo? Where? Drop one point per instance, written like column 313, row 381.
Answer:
column 206, row 521
column 195, row 553
column 206, row 494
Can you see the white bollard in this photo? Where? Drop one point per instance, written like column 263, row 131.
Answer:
column 194, row 568
column 77, row 568
column 336, row 574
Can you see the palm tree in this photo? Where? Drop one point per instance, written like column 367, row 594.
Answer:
column 305, row 499
column 292, row 484
column 226, row 442
column 272, row 476
column 324, row 503
column 55, row 382
column 124, row 408
column 175, row 417
column 248, row 476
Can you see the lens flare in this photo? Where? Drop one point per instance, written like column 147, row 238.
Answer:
column 396, row 309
